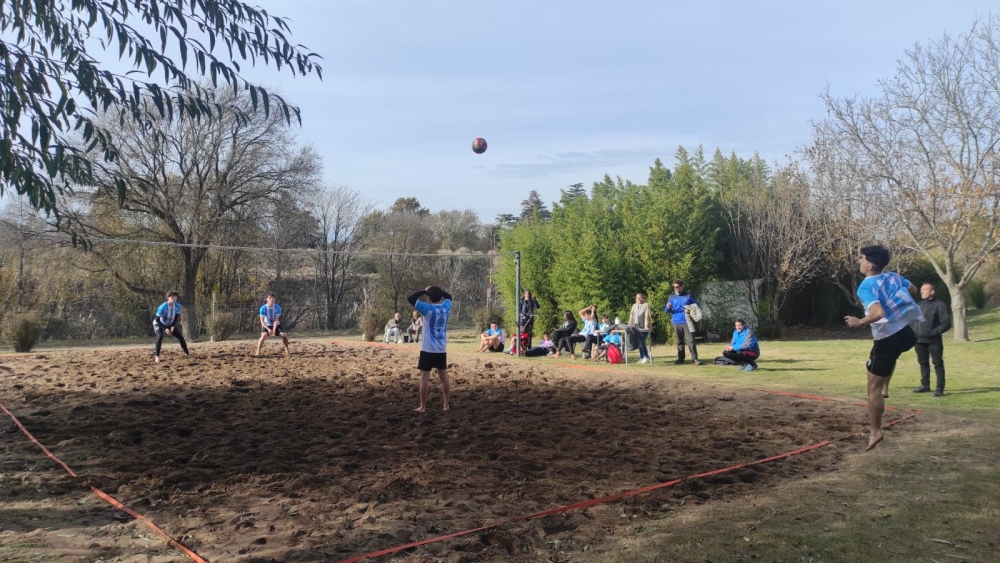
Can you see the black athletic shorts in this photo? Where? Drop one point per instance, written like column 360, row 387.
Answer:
column 885, row 352
column 278, row 329
column 429, row 360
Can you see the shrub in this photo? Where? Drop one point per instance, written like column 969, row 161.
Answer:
column 221, row 326
column 22, row 331
column 483, row 316
column 373, row 321
column 976, row 294
column 767, row 325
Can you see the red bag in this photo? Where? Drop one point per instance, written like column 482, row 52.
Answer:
column 615, row 355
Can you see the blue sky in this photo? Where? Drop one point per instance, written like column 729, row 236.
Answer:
column 566, row 92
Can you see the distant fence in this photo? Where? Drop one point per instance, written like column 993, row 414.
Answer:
column 111, row 292
column 103, row 325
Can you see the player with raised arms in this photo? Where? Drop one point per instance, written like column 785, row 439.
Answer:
column 433, row 354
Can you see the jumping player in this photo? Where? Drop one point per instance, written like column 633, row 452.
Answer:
column 167, row 321
column 270, row 324
column 433, row 353
column 889, row 310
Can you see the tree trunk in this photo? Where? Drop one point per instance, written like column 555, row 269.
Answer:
column 958, row 325
column 190, row 326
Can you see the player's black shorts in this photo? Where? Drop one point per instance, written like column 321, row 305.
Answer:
column 428, row 360
column 885, row 352
column 278, row 329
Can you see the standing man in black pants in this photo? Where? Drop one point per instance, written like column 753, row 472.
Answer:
column 675, row 306
column 528, row 307
column 930, row 345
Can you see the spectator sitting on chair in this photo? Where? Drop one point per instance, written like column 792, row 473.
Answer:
column 392, row 329
column 613, row 339
column 586, row 335
column 568, row 328
column 604, row 327
column 416, row 327
column 744, row 349
column 492, row 339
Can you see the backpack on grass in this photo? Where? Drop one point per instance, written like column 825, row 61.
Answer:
column 615, row 355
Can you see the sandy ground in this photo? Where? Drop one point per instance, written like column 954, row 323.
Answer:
column 320, row 456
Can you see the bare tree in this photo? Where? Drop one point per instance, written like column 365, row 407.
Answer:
column 850, row 215
column 455, row 230
column 339, row 212
column 401, row 236
column 927, row 147
column 773, row 238
column 20, row 228
column 190, row 183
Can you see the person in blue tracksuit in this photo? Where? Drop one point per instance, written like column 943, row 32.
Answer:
column 675, row 306
column 744, row 348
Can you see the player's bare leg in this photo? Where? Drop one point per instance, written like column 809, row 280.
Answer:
column 425, row 378
column 284, row 340
column 260, row 342
column 445, row 386
column 877, row 386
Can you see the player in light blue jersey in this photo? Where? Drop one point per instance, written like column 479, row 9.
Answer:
column 168, row 322
column 435, row 311
column 889, row 310
column 270, row 324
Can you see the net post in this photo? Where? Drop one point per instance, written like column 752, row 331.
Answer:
column 517, row 301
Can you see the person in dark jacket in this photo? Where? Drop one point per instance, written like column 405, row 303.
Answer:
column 930, row 345
column 567, row 329
column 528, row 307
column 675, row 306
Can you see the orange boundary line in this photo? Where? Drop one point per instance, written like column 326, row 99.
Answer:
column 107, row 498
column 586, row 504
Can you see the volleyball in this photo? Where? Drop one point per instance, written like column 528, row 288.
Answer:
column 479, row 145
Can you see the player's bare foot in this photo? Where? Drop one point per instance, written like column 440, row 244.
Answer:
column 874, row 440
column 287, row 352
column 420, row 409
column 156, row 359
column 445, row 408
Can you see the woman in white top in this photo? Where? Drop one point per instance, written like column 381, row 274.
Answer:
column 640, row 318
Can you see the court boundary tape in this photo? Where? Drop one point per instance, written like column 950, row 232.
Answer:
column 105, row 496
column 610, row 498
column 614, row 497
